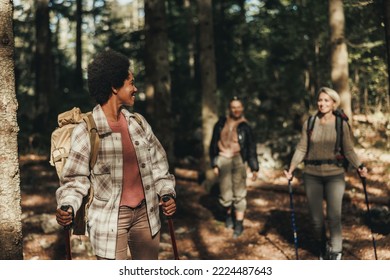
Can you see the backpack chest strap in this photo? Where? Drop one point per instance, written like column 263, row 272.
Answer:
column 321, row 161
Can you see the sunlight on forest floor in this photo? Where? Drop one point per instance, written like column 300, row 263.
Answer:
column 200, row 232
column 199, row 228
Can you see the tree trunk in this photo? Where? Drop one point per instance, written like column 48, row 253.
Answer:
column 191, row 36
column 207, row 77
column 243, row 42
column 44, row 78
column 11, row 239
column 386, row 9
column 79, row 22
column 339, row 54
column 158, row 78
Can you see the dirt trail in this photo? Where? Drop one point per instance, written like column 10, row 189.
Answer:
column 199, row 226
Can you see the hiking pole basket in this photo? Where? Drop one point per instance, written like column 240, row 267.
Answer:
column 171, row 230
column 364, row 183
column 293, row 218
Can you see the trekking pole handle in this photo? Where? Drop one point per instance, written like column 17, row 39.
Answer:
column 290, row 180
column 66, row 208
column 292, row 174
column 361, row 166
column 67, row 234
column 166, row 198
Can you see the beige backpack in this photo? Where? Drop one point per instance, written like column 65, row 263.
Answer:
column 59, row 152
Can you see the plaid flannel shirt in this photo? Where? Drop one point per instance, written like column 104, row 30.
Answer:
column 106, row 178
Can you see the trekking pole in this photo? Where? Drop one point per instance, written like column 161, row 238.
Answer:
column 171, row 230
column 67, row 237
column 293, row 218
column 363, row 179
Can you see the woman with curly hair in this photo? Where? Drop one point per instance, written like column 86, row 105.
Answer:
column 130, row 176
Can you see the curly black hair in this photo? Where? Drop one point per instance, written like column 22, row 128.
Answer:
column 109, row 69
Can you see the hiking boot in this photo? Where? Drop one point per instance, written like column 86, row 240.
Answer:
column 335, row 256
column 238, row 229
column 324, row 252
column 229, row 221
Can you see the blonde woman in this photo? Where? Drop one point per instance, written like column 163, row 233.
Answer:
column 323, row 173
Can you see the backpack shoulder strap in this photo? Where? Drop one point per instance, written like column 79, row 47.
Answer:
column 309, row 130
column 340, row 118
column 139, row 120
column 95, row 142
column 94, row 138
column 339, row 134
column 310, row 124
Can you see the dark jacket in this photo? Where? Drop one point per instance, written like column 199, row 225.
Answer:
column 245, row 139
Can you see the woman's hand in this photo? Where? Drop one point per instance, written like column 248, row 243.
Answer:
column 168, row 205
column 289, row 174
column 254, row 176
column 64, row 218
column 363, row 171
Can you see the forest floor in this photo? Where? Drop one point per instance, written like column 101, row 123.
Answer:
column 199, row 226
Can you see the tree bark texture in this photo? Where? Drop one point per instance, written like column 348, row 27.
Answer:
column 207, row 76
column 339, row 54
column 192, row 38
column 386, row 11
column 11, row 240
column 158, row 78
column 79, row 58
column 44, row 79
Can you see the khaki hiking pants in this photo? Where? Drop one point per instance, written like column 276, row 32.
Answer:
column 232, row 182
column 134, row 235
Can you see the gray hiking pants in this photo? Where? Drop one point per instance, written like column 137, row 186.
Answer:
column 330, row 188
column 232, row 182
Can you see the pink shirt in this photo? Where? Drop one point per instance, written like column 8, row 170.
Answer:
column 132, row 189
